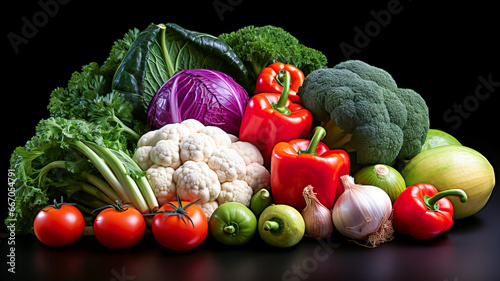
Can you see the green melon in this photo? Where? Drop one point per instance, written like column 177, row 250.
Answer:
column 437, row 138
column 454, row 166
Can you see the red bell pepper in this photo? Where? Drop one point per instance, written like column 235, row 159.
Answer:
column 270, row 80
column 423, row 212
column 270, row 118
column 301, row 162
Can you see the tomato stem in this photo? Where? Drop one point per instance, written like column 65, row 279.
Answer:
column 118, row 206
column 231, row 228
column 271, row 225
column 179, row 211
column 58, row 205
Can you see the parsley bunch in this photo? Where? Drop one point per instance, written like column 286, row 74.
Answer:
column 74, row 151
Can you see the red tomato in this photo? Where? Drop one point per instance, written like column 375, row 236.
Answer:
column 119, row 229
column 59, row 225
column 171, row 231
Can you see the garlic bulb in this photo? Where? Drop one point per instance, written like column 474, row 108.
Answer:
column 363, row 212
column 317, row 217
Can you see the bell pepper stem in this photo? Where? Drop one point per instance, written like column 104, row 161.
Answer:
column 271, row 225
column 264, row 194
column 280, row 78
column 319, row 134
column 229, row 229
column 432, row 204
column 280, row 106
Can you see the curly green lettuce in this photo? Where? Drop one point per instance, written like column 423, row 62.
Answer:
column 258, row 47
column 86, row 110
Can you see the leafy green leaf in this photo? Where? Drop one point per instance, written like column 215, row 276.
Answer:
column 86, row 109
column 162, row 50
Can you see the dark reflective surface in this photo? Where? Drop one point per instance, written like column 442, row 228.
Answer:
column 469, row 251
column 438, row 49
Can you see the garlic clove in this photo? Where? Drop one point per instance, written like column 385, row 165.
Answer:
column 317, row 217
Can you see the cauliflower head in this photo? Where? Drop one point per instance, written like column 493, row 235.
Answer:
column 233, row 138
column 208, row 207
column 141, row 157
column 148, row 139
column 220, row 137
column 162, row 182
column 195, row 180
column 194, row 161
column 197, row 147
column 249, row 152
column 175, row 132
column 166, row 153
column 193, row 125
column 235, row 191
column 228, row 164
column 257, row 177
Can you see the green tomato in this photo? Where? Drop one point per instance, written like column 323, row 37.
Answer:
column 232, row 223
column 281, row 226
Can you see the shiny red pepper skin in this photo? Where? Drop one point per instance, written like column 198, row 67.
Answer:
column 264, row 126
column 414, row 216
column 267, row 80
column 291, row 172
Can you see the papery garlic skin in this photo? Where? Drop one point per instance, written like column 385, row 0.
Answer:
column 361, row 209
column 317, row 217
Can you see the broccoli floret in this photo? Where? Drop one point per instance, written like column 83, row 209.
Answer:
column 259, row 47
column 365, row 113
column 417, row 124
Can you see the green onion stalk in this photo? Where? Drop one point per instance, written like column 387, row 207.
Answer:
column 130, row 192
column 118, row 183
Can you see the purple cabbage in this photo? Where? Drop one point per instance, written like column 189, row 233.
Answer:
column 209, row 96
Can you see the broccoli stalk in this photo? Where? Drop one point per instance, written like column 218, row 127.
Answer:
column 336, row 137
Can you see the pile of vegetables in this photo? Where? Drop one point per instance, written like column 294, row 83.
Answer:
column 189, row 135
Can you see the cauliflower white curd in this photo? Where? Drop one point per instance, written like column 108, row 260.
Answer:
column 199, row 162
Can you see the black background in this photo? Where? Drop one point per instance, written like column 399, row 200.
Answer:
column 438, row 49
